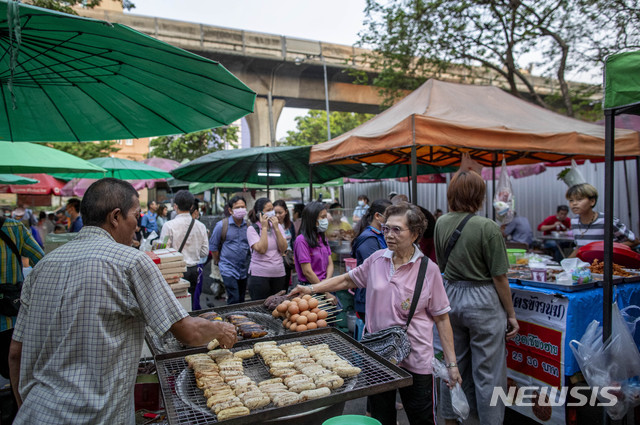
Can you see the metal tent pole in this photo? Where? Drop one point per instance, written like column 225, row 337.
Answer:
column 409, row 180
column 626, row 186
column 310, row 183
column 414, row 162
column 493, row 185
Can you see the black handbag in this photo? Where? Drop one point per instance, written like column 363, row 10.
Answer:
column 393, row 342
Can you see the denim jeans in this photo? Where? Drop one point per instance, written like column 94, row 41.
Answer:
column 236, row 289
column 261, row 287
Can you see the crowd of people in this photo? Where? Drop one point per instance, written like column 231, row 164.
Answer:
column 263, row 250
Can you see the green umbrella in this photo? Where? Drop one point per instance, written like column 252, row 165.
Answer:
column 33, row 158
column 270, row 166
column 14, row 179
column 69, row 78
column 123, row 169
column 201, row 187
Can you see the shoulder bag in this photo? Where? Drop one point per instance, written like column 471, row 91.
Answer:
column 452, row 241
column 10, row 292
column 393, row 343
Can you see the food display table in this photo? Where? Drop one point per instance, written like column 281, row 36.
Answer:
column 185, row 404
column 549, row 319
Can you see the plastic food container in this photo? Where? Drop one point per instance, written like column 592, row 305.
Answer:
column 514, row 253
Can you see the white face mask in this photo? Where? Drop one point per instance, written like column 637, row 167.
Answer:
column 361, row 203
column 323, row 225
column 269, row 214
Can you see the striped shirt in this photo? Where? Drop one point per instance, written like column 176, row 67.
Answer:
column 10, row 267
column 82, row 323
column 584, row 234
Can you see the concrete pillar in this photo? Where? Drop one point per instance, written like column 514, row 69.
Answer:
column 258, row 121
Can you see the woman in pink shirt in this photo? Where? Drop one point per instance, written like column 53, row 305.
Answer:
column 267, row 242
column 390, row 275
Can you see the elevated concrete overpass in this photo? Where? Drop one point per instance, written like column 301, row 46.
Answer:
column 284, row 70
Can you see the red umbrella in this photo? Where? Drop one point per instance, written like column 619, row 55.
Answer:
column 46, row 185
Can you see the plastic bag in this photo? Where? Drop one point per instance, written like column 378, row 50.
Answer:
column 145, row 243
column 614, row 363
column 573, row 176
column 458, row 398
column 503, row 201
column 578, row 269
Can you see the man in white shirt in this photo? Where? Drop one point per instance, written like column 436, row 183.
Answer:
column 194, row 243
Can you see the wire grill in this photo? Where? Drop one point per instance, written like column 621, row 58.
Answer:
column 185, row 402
column 254, row 310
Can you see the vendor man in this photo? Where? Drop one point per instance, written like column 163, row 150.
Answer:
column 80, row 329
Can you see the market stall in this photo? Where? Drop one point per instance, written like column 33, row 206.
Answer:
column 549, row 319
column 440, row 121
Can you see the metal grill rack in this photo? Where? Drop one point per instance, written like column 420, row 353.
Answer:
column 185, row 402
column 254, row 310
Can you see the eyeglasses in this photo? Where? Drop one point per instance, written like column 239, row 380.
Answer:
column 396, row 230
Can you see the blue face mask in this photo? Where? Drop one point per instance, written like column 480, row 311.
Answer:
column 323, row 225
column 67, row 214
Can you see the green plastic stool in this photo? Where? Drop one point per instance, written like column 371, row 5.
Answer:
column 352, row 420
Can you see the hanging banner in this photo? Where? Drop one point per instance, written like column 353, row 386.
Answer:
column 535, row 357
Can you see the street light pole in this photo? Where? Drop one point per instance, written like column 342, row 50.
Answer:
column 326, row 96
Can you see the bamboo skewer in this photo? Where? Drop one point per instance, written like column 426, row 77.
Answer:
column 333, row 320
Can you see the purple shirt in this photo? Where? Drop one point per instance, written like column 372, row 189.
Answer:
column 319, row 257
column 389, row 296
column 270, row 263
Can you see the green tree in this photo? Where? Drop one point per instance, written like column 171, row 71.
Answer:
column 312, row 128
column 66, row 6
column 193, row 145
column 86, row 150
column 497, row 39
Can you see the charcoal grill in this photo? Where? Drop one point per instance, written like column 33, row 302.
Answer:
column 185, row 403
column 255, row 310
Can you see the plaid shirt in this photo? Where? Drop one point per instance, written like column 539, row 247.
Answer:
column 81, row 324
column 10, row 267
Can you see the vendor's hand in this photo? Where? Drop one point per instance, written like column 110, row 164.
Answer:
column 512, row 328
column 300, row 290
column 454, row 377
column 264, row 220
column 331, row 298
column 225, row 334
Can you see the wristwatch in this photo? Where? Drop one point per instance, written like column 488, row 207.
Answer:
column 313, row 291
column 451, row 365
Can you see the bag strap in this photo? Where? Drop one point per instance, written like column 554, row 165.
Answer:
column 9, row 242
column 416, row 294
column 223, row 234
column 184, row 241
column 452, row 241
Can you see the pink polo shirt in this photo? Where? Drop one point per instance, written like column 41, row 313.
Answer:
column 270, row 263
column 389, row 296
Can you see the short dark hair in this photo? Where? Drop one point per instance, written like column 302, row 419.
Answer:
column 335, row 205
column 104, row 196
column 308, row 225
column 236, row 199
column 378, row 206
column 42, row 215
column 416, row 221
column 184, row 200
column 364, row 198
column 75, row 203
column 466, row 192
column 562, row 208
column 298, row 208
column 51, row 216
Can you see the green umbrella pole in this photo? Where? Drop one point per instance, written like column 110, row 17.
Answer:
column 310, row 183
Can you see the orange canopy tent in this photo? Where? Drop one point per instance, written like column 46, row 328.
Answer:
column 440, row 121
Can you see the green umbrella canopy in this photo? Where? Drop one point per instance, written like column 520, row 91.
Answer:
column 14, row 179
column 201, row 187
column 286, row 165
column 123, row 169
column 33, row 158
column 69, row 78
column 622, row 81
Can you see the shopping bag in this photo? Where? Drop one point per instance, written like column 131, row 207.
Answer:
column 614, row 363
column 458, row 398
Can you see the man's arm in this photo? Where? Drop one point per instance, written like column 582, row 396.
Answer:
column 15, row 354
column 29, row 247
column 196, row 331
column 504, row 293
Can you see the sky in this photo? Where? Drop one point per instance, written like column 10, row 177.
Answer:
column 334, row 21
